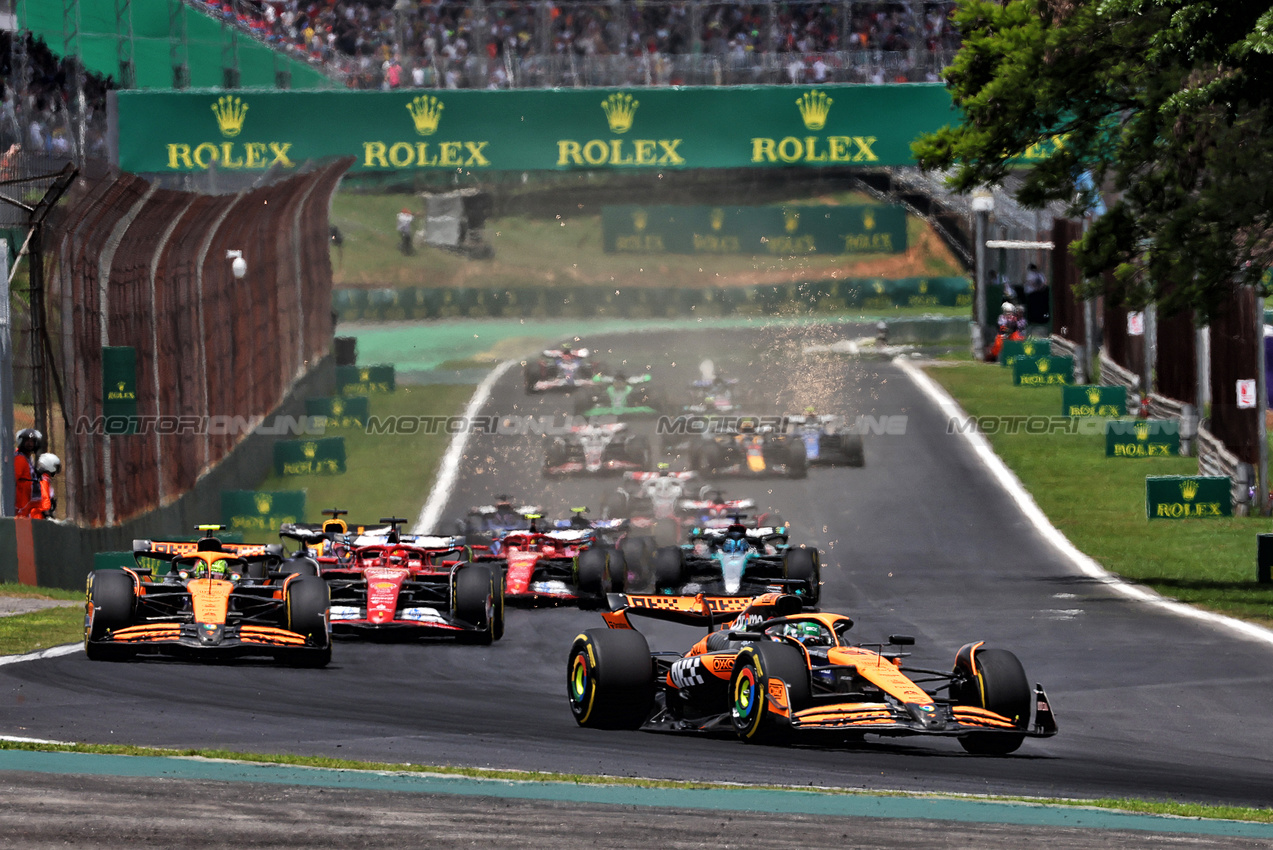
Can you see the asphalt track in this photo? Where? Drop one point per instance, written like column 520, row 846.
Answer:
column 920, row 541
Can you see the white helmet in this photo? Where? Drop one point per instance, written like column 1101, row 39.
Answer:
column 49, row 464
column 1007, row 307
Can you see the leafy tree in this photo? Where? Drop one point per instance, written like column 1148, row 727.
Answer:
column 1165, row 102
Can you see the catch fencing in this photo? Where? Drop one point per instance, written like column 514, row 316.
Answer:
column 145, row 267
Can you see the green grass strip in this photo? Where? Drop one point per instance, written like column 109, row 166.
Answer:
column 1099, row 502
column 23, row 633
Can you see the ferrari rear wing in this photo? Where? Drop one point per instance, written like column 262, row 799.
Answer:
column 699, row 610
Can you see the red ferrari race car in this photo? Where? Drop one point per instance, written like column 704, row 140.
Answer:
column 555, row 566
column 385, row 583
column 776, row 673
column 216, row 601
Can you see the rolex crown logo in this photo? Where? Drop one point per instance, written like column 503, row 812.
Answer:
column 639, row 220
column 923, row 287
column 230, row 112
column 1142, row 430
column 718, row 218
column 120, row 386
column 791, row 220
column 620, row 110
column 814, row 107
column 1188, row 489
column 1027, row 349
column 868, row 220
column 878, row 287
column 1093, row 395
column 426, row 112
column 263, row 503
column 364, row 375
column 309, row 450
column 338, row 406
column 1043, row 364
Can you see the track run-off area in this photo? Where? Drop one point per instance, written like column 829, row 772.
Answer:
column 924, row 540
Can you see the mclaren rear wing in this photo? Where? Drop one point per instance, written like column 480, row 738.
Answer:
column 699, row 610
column 166, row 550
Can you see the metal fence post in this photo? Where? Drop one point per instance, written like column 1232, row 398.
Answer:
column 7, row 485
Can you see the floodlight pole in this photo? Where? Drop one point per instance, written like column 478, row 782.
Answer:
column 983, row 202
column 8, row 489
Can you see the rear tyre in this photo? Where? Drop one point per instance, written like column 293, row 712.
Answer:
column 637, row 557
column 530, row 374
column 797, row 460
column 592, row 569
column 804, row 565
column 497, row 600
column 299, row 565
column 111, row 601
column 755, row 720
column 610, row 679
column 669, row 569
column 618, row 570
column 474, row 603
column 638, row 451
column 854, row 454
column 1001, row 686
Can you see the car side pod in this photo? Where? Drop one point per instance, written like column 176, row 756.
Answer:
column 1044, row 721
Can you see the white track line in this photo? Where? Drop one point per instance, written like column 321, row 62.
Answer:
column 1086, row 565
column 450, row 468
column 43, row 653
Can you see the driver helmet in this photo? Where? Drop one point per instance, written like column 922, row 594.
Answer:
column 810, row 410
column 220, row 568
column 735, row 544
column 49, row 464
column 397, row 557
column 747, row 425
column 29, row 440
column 808, row 633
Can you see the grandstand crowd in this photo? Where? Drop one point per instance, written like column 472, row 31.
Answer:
column 35, row 117
column 506, row 43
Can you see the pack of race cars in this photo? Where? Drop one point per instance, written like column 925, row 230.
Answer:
column 666, row 544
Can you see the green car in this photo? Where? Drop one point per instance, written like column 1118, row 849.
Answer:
column 618, row 396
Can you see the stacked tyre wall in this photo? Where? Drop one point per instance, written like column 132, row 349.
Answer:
column 140, row 266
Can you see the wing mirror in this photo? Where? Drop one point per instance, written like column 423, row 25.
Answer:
column 901, row 640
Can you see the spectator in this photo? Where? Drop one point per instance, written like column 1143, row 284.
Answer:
column 404, row 231
column 29, row 443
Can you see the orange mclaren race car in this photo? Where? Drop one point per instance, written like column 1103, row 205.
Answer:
column 217, row 600
column 776, row 672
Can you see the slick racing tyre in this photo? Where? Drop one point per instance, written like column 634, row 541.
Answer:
column 755, row 667
column 497, row 593
column 610, row 679
column 618, row 570
column 1000, row 685
column 308, row 600
column 530, row 374
column 637, row 552
column 804, row 565
column 797, row 460
column 300, row 565
column 669, row 569
column 112, row 601
column 473, row 602
column 638, row 451
column 592, row 573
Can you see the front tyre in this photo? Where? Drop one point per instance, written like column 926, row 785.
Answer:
column 610, row 679
column 111, row 601
column 474, row 603
column 1000, row 685
column 754, row 717
column 592, row 569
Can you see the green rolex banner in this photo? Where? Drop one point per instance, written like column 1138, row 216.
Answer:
column 340, row 411
column 1137, row 438
column 475, row 130
column 258, row 512
column 1187, row 496
column 783, row 230
column 119, row 389
column 1046, row 371
column 1092, row 400
column 364, row 380
column 1023, row 347
column 325, row 456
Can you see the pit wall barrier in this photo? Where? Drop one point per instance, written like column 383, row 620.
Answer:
column 586, row 302
column 54, row 554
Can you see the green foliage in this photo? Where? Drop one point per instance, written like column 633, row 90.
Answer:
column 1164, row 103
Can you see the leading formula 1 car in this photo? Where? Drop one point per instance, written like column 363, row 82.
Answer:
column 775, row 674
column 218, row 600
column 559, row 370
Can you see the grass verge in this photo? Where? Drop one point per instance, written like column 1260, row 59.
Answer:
column 568, row 249
column 387, row 474
column 1099, row 502
column 1148, row 807
column 23, row 633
